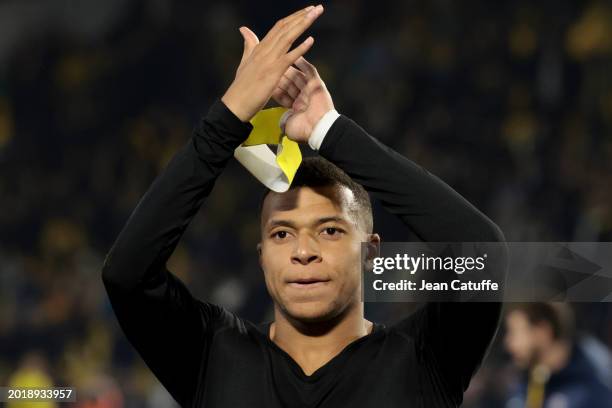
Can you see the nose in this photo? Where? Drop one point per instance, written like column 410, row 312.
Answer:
column 306, row 250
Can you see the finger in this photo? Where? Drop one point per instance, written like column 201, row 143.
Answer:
column 300, row 103
column 307, row 68
column 282, row 98
column 284, row 21
column 297, row 77
column 292, row 31
column 298, row 51
column 314, row 87
column 288, row 86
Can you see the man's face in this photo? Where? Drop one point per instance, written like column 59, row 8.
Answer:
column 523, row 340
column 310, row 251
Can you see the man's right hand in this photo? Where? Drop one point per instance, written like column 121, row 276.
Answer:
column 264, row 63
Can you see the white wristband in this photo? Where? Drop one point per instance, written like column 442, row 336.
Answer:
column 321, row 128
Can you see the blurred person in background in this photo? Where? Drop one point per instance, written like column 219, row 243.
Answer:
column 32, row 372
column 99, row 391
column 560, row 370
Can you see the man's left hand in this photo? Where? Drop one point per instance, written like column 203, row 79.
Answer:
column 304, row 93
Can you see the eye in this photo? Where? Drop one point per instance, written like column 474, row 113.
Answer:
column 333, row 231
column 280, row 234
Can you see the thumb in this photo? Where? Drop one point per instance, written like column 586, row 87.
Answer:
column 250, row 40
column 284, row 119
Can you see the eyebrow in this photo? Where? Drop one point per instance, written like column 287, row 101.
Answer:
column 286, row 223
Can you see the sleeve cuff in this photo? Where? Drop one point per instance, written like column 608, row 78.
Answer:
column 218, row 134
column 321, row 128
column 232, row 126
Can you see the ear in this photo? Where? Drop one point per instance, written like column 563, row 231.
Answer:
column 373, row 248
column 259, row 256
column 544, row 332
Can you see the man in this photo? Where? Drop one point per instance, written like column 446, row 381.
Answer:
column 540, row 338
column 319, row 351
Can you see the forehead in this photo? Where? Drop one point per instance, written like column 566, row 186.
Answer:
column 308, row 202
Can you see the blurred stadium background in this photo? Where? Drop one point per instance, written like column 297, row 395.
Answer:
column 508, row 102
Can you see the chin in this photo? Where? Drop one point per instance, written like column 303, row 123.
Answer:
column 522, row 364
column 311, row 312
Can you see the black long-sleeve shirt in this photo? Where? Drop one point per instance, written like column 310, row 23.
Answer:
column 206, row 356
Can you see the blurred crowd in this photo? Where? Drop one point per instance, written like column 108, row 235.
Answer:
column 509, row 102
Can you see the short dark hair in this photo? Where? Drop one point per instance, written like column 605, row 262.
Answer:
column 316, row 171
column 559, row 316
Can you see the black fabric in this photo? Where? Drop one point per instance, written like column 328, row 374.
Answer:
column 208, row 357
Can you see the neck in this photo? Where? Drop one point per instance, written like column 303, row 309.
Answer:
column 312, row 345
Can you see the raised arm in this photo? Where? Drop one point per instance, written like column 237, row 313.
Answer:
column 452, row 337
column 161, row 319
column 154, row 308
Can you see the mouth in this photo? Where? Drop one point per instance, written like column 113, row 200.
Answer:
column 308, row 283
